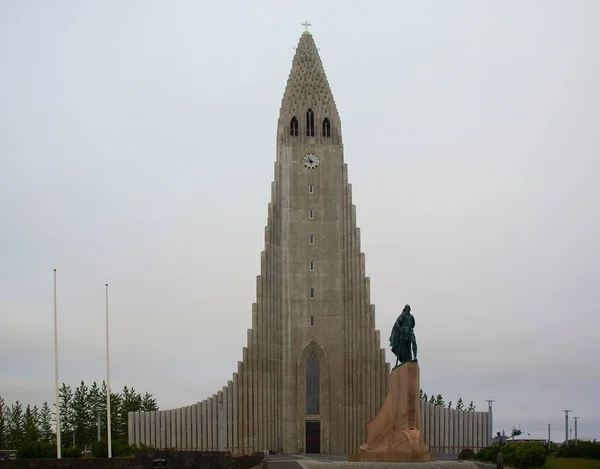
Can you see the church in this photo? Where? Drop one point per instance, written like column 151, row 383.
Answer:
column 313, row 372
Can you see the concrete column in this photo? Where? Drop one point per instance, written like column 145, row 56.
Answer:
column 136, row 428
column 235, row 428
column 193, row 419
column 451, row 433
column 188, row 428
column 204, row 425
column 230, row 393
column 152, row 418
column 215, row 420
column 245, row 421
column 162, row 432
column 143, row 428
column 446, row 438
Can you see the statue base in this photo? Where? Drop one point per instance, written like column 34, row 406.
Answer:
column 395, row 433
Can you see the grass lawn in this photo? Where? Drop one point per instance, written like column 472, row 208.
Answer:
column 568, row 463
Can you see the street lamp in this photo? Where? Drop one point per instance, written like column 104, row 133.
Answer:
column 566, row 411
column 575, row 418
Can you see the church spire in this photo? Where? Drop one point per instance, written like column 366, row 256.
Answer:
column 308, row 91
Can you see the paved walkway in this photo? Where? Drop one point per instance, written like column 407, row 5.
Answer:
column 291, row 461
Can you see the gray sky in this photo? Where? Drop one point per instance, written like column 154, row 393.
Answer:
column 137, row 142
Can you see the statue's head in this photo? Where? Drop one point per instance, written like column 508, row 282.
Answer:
column 407, row 309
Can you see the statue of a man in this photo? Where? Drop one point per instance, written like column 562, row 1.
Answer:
column 403, row 337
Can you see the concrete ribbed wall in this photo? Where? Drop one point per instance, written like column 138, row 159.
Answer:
column 213, row 424
column 448, row 431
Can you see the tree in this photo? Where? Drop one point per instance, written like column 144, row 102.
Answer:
column 432, row 399
column 148, row 403
column 460, row 405
column 31, row 433
column 3, row 429
column 79, row 410
column 439, row 400
column 15, row 425
column 65, row 404
column 45, row 423
column 421, row 394
column 514, row 432
column 450, row 405
column 471, row 407
column 83, row 417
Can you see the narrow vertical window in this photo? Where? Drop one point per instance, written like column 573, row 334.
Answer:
column 311, row 266
column 312, row 385
column 326, row 128
column 311, row 189
column 312, row 292
column 312, row 320
column 294, row 127
column 310, row 123
column 311, row 214
column 311, row 239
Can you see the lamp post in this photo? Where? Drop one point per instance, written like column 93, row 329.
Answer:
column 566, row 411
column 491, row 421
column 575, row 418
column 56, row 391
column 549, row 438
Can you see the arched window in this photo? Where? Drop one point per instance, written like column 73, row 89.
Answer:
column 312, row 385
column 326, row 128
column 310, row 123
column 294, row 127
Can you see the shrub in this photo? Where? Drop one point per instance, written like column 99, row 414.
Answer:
column 44, row 450
column 583, row 449
column 36, row 450
column 489, row 453
column 521, row 455
column 73, row 452
column 119, row 448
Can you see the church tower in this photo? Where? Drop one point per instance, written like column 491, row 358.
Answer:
column 313, row 373
column 333, row 370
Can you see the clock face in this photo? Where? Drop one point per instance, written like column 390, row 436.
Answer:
column 310, row 161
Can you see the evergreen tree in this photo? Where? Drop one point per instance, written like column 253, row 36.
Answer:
column 460, row 405
column 148, row 403
column 15, row 426
column 450, row 405
column 65, row 404
column 421, row 394
column 432, row 399
column 471, row 407
column 45, row 423
column 439, row 400
column 98, row 406
column 3, row 429
column 31, row 433
column 83, row 418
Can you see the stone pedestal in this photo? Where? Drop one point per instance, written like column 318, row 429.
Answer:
column 395, row 433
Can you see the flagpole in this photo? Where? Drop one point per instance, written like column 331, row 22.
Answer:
column 108, row 433
column 56, row 389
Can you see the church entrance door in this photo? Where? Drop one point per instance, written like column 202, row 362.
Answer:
column 313, row 436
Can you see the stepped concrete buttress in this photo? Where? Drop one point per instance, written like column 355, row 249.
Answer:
column 395, row 433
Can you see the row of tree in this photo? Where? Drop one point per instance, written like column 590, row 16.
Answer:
column 81, row 411
column 439, row 401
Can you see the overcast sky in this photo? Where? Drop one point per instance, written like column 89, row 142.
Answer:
column 137, row 142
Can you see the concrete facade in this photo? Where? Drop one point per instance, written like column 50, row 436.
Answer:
column 313, row 297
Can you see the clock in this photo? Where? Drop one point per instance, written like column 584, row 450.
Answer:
column 310, row 161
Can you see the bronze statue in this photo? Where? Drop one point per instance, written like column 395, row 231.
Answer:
column 403, row 337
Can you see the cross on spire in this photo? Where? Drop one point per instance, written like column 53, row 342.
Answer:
column 306, row 24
